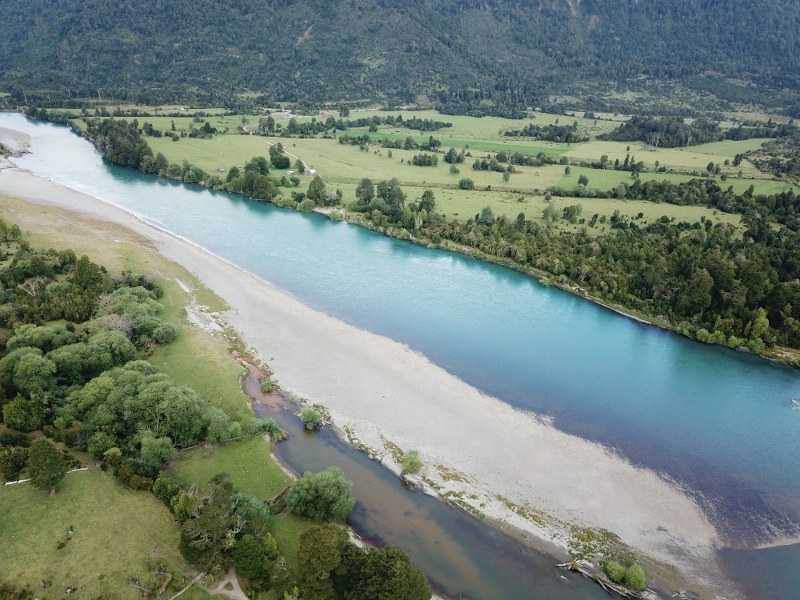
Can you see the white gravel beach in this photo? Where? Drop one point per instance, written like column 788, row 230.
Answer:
column 378, row 387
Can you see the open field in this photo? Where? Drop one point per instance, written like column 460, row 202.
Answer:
column 108, row 521
column 248, row 462
column 606, row 179
column 693, row 158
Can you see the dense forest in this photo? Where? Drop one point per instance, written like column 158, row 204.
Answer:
column 674, row 132
column 456, row 51
column 708, row 281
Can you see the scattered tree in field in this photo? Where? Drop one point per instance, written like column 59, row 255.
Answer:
column 466, row 184
column 486, row 216
column 46, row 465
column 583, row 180
column 316, row 190
column 322, row 496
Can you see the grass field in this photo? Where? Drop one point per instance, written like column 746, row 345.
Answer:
column 248, row 462
column 606, row 179
column 694, row 158
column 342, row 166
column 116, row 532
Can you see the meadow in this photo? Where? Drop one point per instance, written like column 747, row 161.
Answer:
column 342, row 166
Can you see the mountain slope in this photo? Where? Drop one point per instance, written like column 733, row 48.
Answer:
column 366, row 48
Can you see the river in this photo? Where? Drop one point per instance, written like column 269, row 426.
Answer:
column 718, row 422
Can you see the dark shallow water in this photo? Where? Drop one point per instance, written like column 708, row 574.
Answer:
column 717, row 421
column 462, row 556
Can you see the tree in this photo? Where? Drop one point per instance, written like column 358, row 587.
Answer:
column 384, row 573
column 34, row 375
column 567, row 170
column 583, row 180
column 487, row 216
column 24, row 414
column 319, row 553
column 251, row 557
column 428, row 201
column 316, row 190
column 323, row 496
column 156, row 451
column 46, row 465
column 365, row 192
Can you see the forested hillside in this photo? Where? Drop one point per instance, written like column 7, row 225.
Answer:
column 314, row 49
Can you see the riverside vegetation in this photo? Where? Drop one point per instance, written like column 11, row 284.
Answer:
column 730, row 282
column 77, row 391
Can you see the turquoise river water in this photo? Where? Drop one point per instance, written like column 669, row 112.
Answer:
column 719, row 422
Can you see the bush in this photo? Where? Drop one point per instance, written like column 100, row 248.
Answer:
column 411, row 463
column 14, row 438
column 614, row 570
column 466, row 184
column 635, row 577
column 99, row 443
column 323, row 496
column 307, row 205
column 12, row 461
column 311, row 418
column 165, row 488
column 165, row 333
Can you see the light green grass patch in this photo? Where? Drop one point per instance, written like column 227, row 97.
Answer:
column 607, row 179
column 248, row 462
column 116, row 531
column 694, row 158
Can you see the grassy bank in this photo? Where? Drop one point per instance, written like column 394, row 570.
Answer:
column 107, row 520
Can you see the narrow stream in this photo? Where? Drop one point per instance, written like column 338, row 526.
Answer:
column 463, row 557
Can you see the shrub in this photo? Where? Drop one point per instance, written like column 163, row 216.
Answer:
column 165, row 488
column 100, row 443
column 635, row 577
column 466, row 184
column 307, row 205
column 323, row 496
column 12, row 461
column 165, row 333
column 614, row 570
column 411, row 463
column 311, row 418
column 14, row 438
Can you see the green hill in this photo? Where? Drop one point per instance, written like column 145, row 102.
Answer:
column 317, row 49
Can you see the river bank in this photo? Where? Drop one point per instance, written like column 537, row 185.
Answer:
column 387, row 396
column 777, row 354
